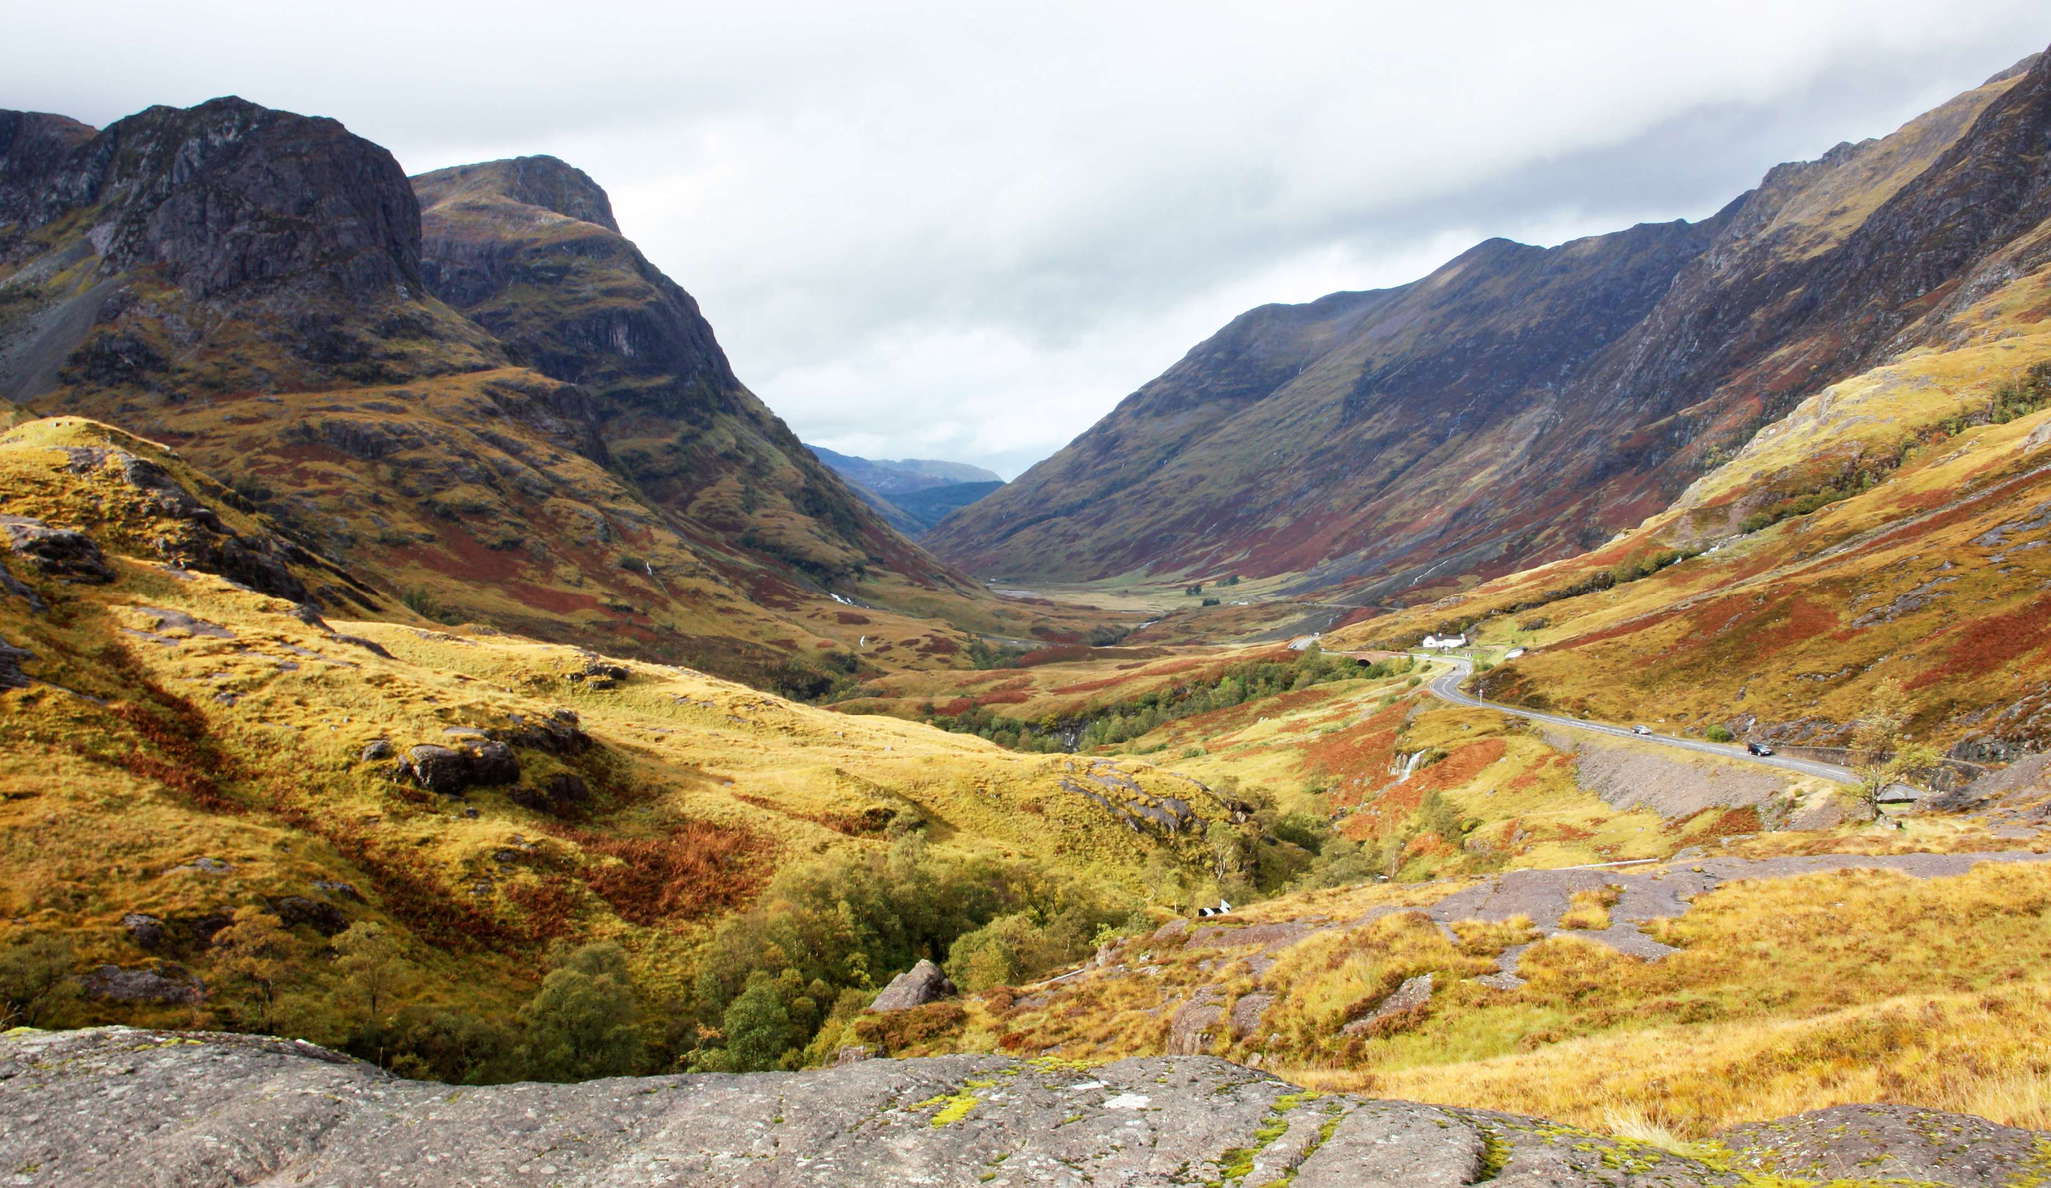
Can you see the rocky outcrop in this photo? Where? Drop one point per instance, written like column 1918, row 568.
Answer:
column 917, row 986
column 221, row 196
column 11, row 660
column 57, row 552
column 450, row 770
column 119, row 1106
column 165, row 985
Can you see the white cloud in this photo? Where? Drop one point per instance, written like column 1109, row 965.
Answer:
column 969, row 229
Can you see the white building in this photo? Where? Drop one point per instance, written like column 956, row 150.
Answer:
column 1445, row 642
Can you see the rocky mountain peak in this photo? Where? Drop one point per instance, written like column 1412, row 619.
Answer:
column 218, row 197
column 541, row 181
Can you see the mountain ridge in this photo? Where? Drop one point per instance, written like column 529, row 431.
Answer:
column 1387, row 449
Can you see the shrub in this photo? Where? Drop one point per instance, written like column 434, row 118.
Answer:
column 35, row 980
column 584, row 1022
column 1719, row 733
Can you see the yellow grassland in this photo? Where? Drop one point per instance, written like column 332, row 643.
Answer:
column 176, row 717
column 1786, row 994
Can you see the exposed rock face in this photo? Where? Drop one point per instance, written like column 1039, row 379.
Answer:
column 917, row 986
column 11, row 660
column 166, row 985
column 97, row 1107
column 1522, row 404
column 198, row 193
column 1410, row 996
column 57, row 552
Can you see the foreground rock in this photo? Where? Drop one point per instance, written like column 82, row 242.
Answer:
column 917, row 986
column 113, row 1106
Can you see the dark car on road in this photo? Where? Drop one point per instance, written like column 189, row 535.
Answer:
column 1759, row 748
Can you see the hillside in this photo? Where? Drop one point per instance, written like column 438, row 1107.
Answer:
column 182, row 738
column 559, row 447
column 913, row 494
column 1884, row 544
column 1523, row 404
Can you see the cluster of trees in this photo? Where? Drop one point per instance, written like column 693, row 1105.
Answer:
column 777, row 984
column 771, row 988
column 1125, row 720
column 2019, row 397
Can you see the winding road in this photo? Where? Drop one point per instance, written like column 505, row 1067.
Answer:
column 1446, row 687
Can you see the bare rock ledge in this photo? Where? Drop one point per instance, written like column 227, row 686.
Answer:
column 119, row 1106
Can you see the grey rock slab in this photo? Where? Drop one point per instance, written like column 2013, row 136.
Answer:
column 118, row 1106
column 1890, row 1144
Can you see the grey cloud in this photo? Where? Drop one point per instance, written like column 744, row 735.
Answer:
column 974, row 228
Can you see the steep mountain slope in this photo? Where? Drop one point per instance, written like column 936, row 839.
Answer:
column 568, row 455
column 1521, row 404
column 913, row 494
column 528, row 249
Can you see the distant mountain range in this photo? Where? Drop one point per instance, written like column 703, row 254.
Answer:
column 1523, row 404
column 913, row 494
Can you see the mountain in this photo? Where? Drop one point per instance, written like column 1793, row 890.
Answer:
column 469, row 390
column 896, row 477
column 1522, row 404
column 913, row 494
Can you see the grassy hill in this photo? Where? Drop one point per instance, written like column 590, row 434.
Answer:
column 176, row 747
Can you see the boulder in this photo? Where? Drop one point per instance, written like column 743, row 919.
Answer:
column 917, row 986
column 58, row 552
column 564, row 794
column 164, row 985
column 296, row 910
column 1190, row 1031
column 375, row 750
column 471, row 763
column 338, row 889
column 146, row 931
column 445, row 770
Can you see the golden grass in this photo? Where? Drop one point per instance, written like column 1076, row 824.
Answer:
column 1786, row 995
column 153, row 744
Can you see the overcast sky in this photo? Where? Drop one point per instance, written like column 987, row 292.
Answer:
column 966, row 230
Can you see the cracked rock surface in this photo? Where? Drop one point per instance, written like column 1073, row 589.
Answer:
column 118, row 1106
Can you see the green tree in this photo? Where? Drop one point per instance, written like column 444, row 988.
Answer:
column 758, row 1027
column 35, row 980
column 1882, row 753
column 447, row 1044
column 585, row 1020
column 371, row 965
column 257, row 958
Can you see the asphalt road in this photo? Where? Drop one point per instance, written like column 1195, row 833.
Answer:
column 1446, row 687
